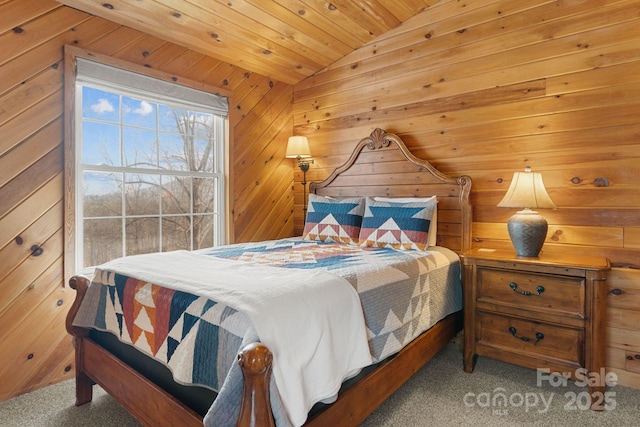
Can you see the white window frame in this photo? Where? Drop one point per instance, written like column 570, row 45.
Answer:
column 73, row 135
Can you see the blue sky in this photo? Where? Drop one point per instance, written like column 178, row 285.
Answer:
column 146, row 136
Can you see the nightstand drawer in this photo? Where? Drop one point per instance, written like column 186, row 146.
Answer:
column 531, row 291
column 535, row 339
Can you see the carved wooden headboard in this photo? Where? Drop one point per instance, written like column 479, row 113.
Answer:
column 387, row 168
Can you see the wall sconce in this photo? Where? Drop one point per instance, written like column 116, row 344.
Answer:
column 527, row 228
column 298, row 148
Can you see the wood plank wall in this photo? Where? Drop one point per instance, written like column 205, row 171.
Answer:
column 485, row 88
column 35, row 350
column 481, row 88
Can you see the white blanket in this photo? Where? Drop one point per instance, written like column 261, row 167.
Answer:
column 311, row 321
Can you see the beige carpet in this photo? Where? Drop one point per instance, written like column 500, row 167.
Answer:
column 440, row 394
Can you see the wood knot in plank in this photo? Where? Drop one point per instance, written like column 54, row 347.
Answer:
column 601, row 182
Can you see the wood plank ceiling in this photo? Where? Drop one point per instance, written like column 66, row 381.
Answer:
column 286, row 40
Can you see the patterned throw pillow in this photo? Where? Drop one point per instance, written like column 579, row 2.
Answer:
column 333, row 220
column 398, row 225
column 433, row 228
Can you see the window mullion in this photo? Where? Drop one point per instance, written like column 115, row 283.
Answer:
column 123, row 184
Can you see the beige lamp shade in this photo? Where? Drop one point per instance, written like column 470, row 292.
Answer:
column 298, row 147
column 527, row 191
column 527, row 229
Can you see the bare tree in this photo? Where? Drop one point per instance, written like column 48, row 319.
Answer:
column 186, row 201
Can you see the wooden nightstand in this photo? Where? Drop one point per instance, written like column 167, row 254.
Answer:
column 545, row 312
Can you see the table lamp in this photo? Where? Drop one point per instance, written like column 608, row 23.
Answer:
column 527, row 228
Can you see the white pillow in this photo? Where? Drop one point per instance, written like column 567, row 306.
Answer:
column 433, row 227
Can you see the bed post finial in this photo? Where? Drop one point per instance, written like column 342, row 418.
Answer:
column 255, row 360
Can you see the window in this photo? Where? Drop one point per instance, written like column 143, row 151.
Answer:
column 149, row 165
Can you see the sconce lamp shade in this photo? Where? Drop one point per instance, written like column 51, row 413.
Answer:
column 298, row 147
column 527, row 228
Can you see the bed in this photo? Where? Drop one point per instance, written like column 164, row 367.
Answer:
column 255, row 390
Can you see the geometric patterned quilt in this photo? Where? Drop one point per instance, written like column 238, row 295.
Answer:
column 403, row 293
column 183, row 331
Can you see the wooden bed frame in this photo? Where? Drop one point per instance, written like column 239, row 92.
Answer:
column 386, row 168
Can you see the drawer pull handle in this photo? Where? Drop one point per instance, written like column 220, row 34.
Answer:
column 514, row 286
column 539, row 335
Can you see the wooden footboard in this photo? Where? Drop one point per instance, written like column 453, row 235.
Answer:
column 153, row 406
column 150, row 404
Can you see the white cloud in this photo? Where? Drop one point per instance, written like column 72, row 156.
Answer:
column 144, row 109
column 102, row 106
